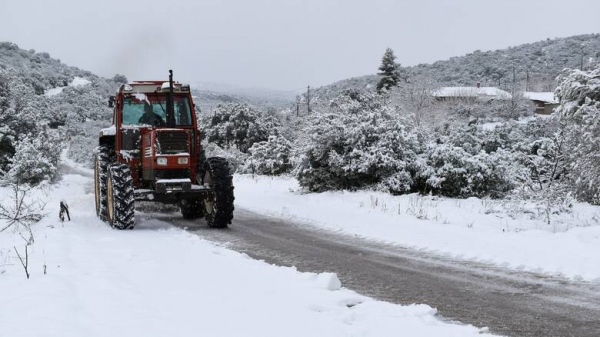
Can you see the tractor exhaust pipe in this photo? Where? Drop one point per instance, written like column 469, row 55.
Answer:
column 171, row 103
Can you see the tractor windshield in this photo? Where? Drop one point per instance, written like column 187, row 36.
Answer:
column 142, row 109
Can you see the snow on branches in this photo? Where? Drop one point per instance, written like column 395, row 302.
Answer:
column 238, row 126
column 579, row 111
column 357, row 142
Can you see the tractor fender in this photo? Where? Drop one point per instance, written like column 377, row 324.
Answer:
column 106, row 136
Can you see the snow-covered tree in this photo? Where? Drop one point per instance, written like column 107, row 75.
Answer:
column 271, row 157
column 416, row 98
column 358, row 142
column 389, row 72
column 237, row 125
column 36, row 158
column 454, row 172
column 579, row 111
column 119, row 79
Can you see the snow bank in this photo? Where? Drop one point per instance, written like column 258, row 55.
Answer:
column 157, row 280
column 475, row 229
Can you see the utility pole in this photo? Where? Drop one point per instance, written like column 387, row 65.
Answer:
column 308, row 98
column 527, row 81
column 297, row 105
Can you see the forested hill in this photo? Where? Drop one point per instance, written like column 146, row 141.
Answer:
column 46, row 102
column 544, row 60
column 45, row 106
column 42, row 72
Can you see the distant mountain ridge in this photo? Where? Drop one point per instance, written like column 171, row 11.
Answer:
column 209, row 94
column 542, row 60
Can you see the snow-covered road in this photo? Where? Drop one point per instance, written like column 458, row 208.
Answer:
column 159, row 280
column 513, row 235
column 508, row 302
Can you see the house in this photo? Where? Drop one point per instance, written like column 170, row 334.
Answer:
column 544, row 102
column 470, row 93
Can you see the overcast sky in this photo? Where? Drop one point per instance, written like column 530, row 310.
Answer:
column 279, row 44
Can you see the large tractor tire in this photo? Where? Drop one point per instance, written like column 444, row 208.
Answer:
column 192, row 208
column 119, row 197
column 218, row 204
column 102, row 158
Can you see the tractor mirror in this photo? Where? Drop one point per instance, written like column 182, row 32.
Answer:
column 111, row 101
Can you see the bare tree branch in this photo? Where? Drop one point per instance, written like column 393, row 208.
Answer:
column 24, row 263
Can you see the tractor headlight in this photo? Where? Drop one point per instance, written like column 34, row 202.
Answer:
column 161, row 161
column 182, row 160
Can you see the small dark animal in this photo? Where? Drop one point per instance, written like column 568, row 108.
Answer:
column 64, row 209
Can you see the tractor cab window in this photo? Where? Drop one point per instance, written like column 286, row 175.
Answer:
column 151, row 110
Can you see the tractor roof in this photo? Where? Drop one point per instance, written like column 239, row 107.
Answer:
column 148, row 87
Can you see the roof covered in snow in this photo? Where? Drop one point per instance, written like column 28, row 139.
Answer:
column 475, row 92
column 547, row 97
column 147, row 87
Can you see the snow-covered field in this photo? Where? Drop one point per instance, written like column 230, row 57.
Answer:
column 157, row 280
column 514, row 235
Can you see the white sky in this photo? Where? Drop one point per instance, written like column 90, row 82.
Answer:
column 280, row 44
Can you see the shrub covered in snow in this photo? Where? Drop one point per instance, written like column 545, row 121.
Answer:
column 357, row 142
column 40, row 99
column 272, row 157
column 237, row 125
column 235, row 158
column 36, row 158
column 29, row 150
column 454, row 172
column 579, row 94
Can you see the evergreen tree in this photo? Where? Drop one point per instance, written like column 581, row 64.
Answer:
column 389, row 72
column 579, row 112
column 237, row 126
column 119, row 79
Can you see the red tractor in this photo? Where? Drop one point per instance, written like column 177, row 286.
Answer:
column 153, row 152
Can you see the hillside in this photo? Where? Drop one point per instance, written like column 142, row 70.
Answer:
column 544, row 60
column 44, row 101
column 45, row 105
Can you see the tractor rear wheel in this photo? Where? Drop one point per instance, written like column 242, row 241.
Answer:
column 218, row 204
column 102, row 158
column 119, row 197
column 192, row 208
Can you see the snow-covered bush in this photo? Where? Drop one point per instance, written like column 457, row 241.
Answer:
column 235, row 158
column 454, row 172
column 272, row 157
column 36, row 158
column 237, row 125
column 29, row 149
column 545, row 161
column 357, row 142
column 579, row 111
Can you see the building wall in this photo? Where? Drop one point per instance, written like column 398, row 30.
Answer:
column 544, row 108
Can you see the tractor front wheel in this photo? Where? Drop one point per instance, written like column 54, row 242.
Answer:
column 218, row 204
column 119, row 197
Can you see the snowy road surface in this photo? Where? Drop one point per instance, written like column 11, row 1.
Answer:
column 157, row 280
column 509, row 302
